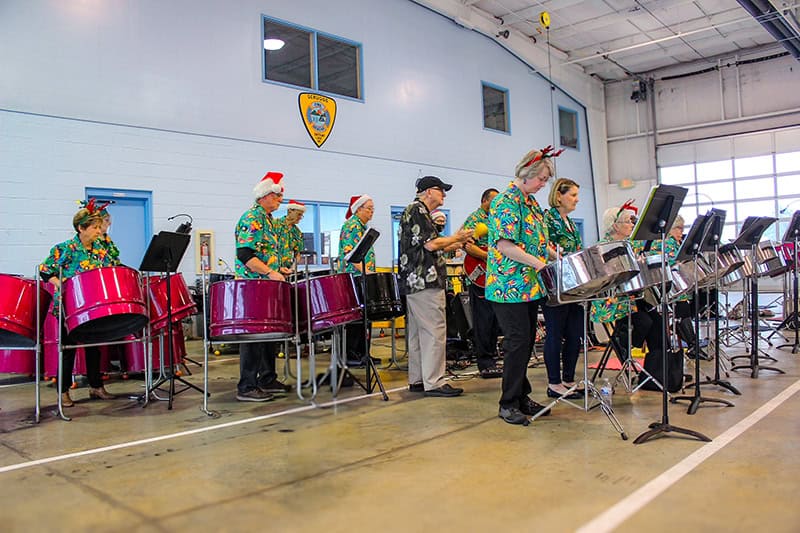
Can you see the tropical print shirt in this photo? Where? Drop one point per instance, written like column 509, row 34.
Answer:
column 419, row 268
column 257, row 230
column 477, row 216
column 613, row 308
column 564, row 234
column 290, row 240
column 113, row 251
column 517, row 217
column 352, row 231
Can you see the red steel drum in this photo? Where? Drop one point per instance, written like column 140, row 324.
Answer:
column 50, row 350
column 135, row 352
column 787, row 251
column 17, row 362
column 104, row 304
column 333, row 302
column 250, row 309
column 18, row 310
column 182, row 303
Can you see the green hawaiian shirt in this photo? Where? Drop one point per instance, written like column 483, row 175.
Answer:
column 352, row 231
column 257, row 230
column 613, row 308
column 517, row 217
column 113, row 251
column 477, row 216
column 564, row 234
column 290, row 240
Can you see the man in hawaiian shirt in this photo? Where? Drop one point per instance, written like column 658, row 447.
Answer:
column 291, row 238
column 423, row 278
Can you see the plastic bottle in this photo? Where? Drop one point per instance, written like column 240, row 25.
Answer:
column 606, row 392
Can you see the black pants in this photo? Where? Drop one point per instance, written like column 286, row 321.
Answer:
column 92, row 355
column 564, row 324
column 518, row 323
column 357, row 348
column 646, row 327
column 685, row 327
column 257, row 364
column 484, row 327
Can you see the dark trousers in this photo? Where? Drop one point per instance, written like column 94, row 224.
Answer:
column 685, row 327
column 646, row 327
column 518, row 323
column 564, row 325
column 257, row 364
column 484, row 327
column 357, row 348
column 92, row 355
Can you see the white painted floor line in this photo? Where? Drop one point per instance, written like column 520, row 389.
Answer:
column 632, row 504
column 129, row 444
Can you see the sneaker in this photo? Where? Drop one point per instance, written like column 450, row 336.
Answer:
column 255, row 395
column 491, row 372
column 416, row 387
column 531, row 408
column 275, row 387
column 512, row 415
column 445, row 391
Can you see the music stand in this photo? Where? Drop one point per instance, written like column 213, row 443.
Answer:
column 359, row 255
column 657, row 217
column 704, row 239
column 752, row 231
column 163, row 255
column 792, row 235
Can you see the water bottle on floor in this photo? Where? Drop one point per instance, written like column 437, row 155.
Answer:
column 606, row 392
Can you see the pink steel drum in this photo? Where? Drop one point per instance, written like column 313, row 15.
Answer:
column 787, row 251
column 135, row 352
column 333, row 302
column 17, row 362
column 104, row 304
column 182, row 303
column 18, row 310
column 250, row 309
column 50, row 349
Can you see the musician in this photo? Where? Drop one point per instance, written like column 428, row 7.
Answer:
column 485, row 328
column 423, row 278
column 564, row 323
column 105, row 239
column 85, row 251
column 258, row 256
column 359, row 213
column 291, row 238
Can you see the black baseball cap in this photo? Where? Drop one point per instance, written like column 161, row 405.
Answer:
column 426, row 182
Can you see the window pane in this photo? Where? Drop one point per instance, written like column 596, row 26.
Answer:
column 716, row 170
column 788, row 162
column 758, row 188
column 494, row 109
column 568, row 127
column 753, row 166
column 338, row 64
column 677, row 175
column 788, row 185
column 730, row 212
column 331, row 218
column 728, row 233
column 764, row 208
column 292, row 63
column 689, row 213
column 719, row 192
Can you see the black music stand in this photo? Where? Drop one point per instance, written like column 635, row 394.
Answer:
column 359, row 255
column 792, row 235
column 753, row 229
column 656, row 218
column 163, row 255
column 703, row 237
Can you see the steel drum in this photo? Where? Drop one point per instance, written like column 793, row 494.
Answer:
column 104, row 304
column 182, row 303
column 334, row 302
column 685, row 275
column 787, row 251
column 650, row 275
column 589, row 272
column 383, row 296
column 729, row 260
column 18, row 310
column 776, row 264
column 17, row 362
column 250, row 309
column 134, row 353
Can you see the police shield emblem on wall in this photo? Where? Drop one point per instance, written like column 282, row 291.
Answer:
column 319, row 113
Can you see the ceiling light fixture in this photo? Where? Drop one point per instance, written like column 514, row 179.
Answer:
column 273, row 44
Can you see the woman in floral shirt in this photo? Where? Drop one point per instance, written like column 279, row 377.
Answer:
column 85, row 251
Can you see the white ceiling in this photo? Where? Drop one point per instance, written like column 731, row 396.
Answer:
column 613, row 39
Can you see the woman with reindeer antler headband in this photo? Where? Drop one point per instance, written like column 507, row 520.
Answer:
column 518, row 250
column 86, row 250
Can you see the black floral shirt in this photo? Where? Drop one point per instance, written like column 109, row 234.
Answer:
column 419, row 268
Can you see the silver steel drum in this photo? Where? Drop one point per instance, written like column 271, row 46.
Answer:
column 776, row 264
column 685, row 275
column 650, row 275
column 681, row 283
column 586, row 273
column 766, row 258
column 729, row 260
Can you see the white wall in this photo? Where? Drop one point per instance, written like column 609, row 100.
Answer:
column 168, row 97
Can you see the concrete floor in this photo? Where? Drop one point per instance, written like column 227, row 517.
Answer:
column 408, row 464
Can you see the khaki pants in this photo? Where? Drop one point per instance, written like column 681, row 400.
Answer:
column 426, row 328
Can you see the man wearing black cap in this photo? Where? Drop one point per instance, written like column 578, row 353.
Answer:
column 423, row 279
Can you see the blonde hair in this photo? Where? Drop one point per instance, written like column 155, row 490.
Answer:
column 84, row 218
column 678, row 222
column 561, row 186
column 525, row 170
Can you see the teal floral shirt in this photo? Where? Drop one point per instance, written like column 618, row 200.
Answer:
column 477, row 216
column 670, row 248
column 113, row 251
column 257, row 230
column 564, row 234
column 352, row 231
column 290, row 241
column 516, row 217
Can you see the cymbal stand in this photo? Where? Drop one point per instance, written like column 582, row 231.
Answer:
column 747, row 324
column 394, row 362
column 793, row 317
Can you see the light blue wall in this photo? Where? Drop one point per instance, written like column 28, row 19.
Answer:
column 168, row 97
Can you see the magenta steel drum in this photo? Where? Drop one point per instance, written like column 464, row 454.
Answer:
column 18, row 310
column 17, row 362
column 50, row 350
column 250, row 309
column 104, row 304
column 333, row 302
column 134, row 353
column 182, row 303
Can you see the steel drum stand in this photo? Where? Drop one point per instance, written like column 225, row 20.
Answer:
column 794, row 230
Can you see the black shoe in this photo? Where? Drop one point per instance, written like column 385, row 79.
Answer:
column 255, row 395
column 512, row 415
column 445, row 391
column 531, row 408
column 574, row 395
column 275, row 387
column 416, row 387
column 491, row 372
column 375, row 361
column 355, row 363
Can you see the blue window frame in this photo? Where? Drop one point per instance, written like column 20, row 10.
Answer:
column 312, row 59
column 496, row 112
column 321, row 226
column 568, row 128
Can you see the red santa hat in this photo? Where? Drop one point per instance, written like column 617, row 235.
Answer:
column 438, row 214
column 294, row 204
column 270, row 183
column 355, row 203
